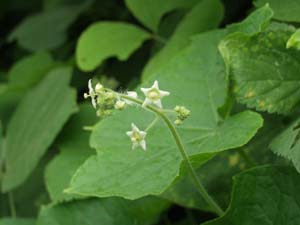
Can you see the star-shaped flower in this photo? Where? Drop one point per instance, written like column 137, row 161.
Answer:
column 137, row 137
column 154, row 95
column 93, row 93
column 131, row 94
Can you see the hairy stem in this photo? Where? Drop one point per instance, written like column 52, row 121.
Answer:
column 201, row 189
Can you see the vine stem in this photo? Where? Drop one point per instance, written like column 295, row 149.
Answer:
column 12, row 205
column 201, row 189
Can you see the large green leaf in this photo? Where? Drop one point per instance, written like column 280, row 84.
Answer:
column 29, row 70
column 109, row 211
column 16, row 221
column 36, row 122
column 287, row 144
column 216, row 173
column 266, row 74
column 204, row 16
column 287, row 10
column 106, row 39
column 264, row 195
column 46, row 30
column 1, row 151
column 196, row 78
column 150, row 12
column 74, row 145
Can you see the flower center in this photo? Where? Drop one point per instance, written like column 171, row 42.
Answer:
column 154, row 94
column 136, row 137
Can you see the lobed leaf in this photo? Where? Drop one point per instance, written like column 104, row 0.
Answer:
column 264, row 71
column 287, row 144
column 263, row 195
column 195, row 78
column 102, row 40
column 35, row 123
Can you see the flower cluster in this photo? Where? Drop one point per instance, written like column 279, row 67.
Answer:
column 105, row 100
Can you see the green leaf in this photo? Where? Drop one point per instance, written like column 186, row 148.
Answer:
column 32, row 35
column 264, row 195
column 17, row 221
column 287, row 144
column 150, row 12
column 195, row 78
column 204, row 16
column 109, row 211
column 254, row 23
column 102, row 40
column 264, row 71
column 28, row 71
column 35, row 123
column 294, row 41
column 60, row 171
column 74, row 145
column 287, row 10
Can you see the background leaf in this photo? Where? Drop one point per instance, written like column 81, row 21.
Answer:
column 30, row 70
column 18, row 221
column 109, row 211
column 52, row 23
column 35, row 124
column 264, row 195
column 150, row 12
column 205, row 15
column 287, row 10
column 106, row 39
column 200, row 86
column 294, row 40
column 74, row 146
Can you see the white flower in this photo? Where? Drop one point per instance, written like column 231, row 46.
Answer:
column 137, row 137
column 120, row 105
column 93, row 93
column 154, row 95
column 131, row 94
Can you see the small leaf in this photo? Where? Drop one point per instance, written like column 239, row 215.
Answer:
column 35, row 123
column 150, row 12
column 195, row 78
column 109, row 211
column 287, row 10
column 287, row 144
column 266, row 74
column 46, row 30
column 16, row 221
column 294, row 41
column 205, row 15
column 106, row 39
column 74, row 145
column 263, row 195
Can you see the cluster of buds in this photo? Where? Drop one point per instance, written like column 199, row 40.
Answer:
column 182, row 114
column 105, row 100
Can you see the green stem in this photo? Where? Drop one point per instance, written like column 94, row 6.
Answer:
column 12, row 205
column 201, row 189
column 246, row 157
